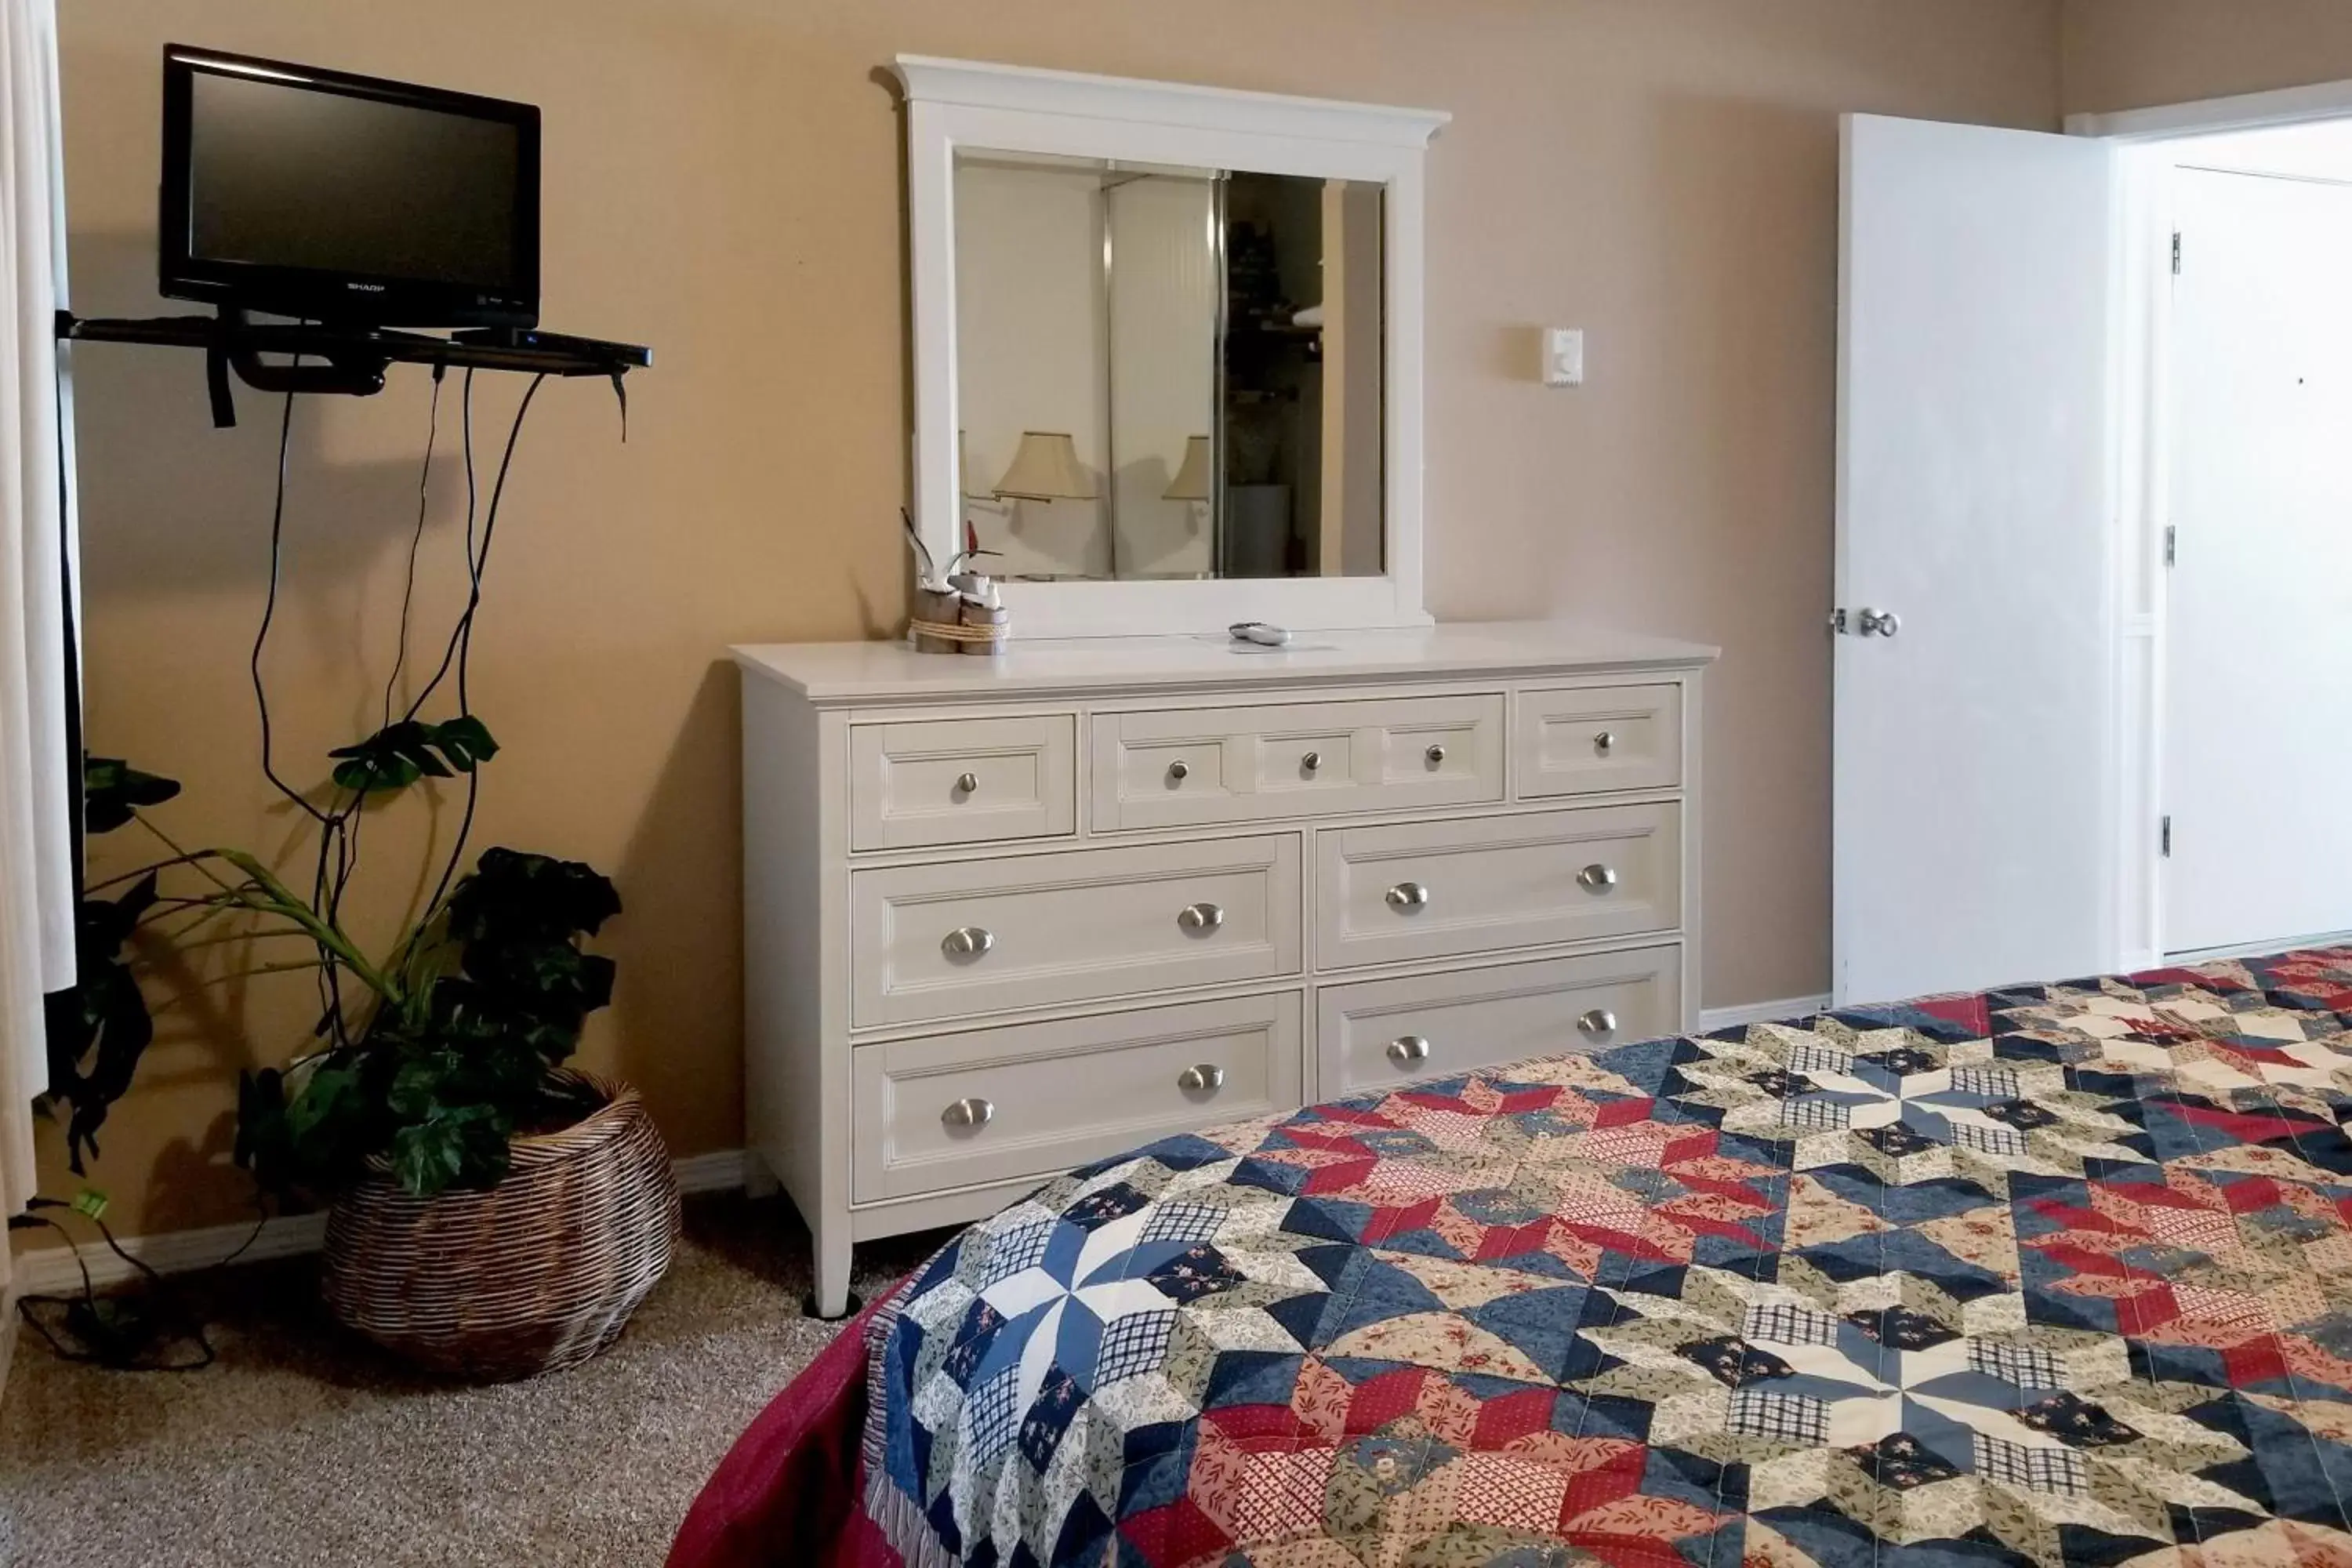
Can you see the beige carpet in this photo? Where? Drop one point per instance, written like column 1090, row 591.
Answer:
column 302, row 1446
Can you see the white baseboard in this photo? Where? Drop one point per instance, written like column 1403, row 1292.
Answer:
column 52, row 1270
column 722, row 1171
column 1713, row 1018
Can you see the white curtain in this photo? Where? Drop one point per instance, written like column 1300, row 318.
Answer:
column 36, row 533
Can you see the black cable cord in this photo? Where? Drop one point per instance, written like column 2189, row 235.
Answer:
column 416, row 539
column 466, row 401
column 354, row 818
column 463, row 643
column 158, row 1290
column 270, row 614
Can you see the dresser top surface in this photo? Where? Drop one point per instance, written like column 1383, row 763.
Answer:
column 884, row 671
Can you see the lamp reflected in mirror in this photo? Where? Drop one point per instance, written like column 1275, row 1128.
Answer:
column 1045, row 466
column 1191, row 480
column 1191, row 484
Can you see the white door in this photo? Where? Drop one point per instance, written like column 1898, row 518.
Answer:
column 1973, row 749
column 2258, row 698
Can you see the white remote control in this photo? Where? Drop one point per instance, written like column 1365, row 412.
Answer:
column 1260, row 633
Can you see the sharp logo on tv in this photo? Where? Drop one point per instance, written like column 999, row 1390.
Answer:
column 366, row 288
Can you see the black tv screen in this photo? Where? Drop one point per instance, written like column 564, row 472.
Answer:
column 317, row 194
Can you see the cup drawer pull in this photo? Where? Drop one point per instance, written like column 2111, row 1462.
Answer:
column 1199, row 917
column 968, row 941
column 967, row 1115
column 1407, row 1049
column 1598, row 1022
column 1203, row 1076
column 1597, row 877
column 1407, row 897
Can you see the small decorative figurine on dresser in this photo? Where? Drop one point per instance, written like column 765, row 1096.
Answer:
column 956, row 610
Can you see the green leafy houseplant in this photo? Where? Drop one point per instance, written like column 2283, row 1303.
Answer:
column 432, row 1058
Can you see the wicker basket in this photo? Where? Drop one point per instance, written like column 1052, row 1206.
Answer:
column 537, row 1273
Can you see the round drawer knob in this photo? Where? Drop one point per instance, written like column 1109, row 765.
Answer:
column 1407, row 1049
column 1407, row 897
column 1435, row 755
column 968, row 941
column 1597, row 878
column 1605, row 741
column 1199, row 917
column 1201, row 1076
column 1311, row 761
column 1600, row 1021
column 967, row 1115
column 1178, row 772
column 967, row 782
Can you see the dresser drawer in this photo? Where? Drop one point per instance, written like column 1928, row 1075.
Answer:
column 1585, row 740
column 1180, row 766
column 980, row 935
column 1377, row 1033
column 961, row 780
column 1428, row 889
column 949, row 1110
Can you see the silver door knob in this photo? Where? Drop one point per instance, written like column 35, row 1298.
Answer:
column 1605, row 741
column 1406, row 896
column 1435, row 755
column 1199, row 917
column 1881, row 623
column 967, row 782
column 1600, row 1021
column 1200, row 1077
column 1311, row 761
column 968, row 941
column 1407, row 1049
column 1177, row 771
column 963, row 1115
column 1597, row 878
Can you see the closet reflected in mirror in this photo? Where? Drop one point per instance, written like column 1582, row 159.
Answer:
column 1167, row 372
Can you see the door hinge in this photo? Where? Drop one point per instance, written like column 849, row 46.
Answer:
column 2176, row 253
column 2164, row 836
column 2171, row 544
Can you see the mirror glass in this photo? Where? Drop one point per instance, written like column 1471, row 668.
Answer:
column 1167, row 372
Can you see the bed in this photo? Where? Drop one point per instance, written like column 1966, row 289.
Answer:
column 2054, row 1274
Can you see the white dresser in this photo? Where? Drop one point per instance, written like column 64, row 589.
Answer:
column 1006, row 916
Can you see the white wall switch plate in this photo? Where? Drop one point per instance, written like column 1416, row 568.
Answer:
column 1563, row 356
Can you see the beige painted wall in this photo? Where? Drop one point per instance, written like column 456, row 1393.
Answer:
column 722, row 182
column 2132, row 54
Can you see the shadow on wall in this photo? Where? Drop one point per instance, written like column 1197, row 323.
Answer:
column 682, row 893
column 141, row 417
column 1747, row 241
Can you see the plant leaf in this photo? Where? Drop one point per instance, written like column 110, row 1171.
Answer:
column 112, row 790
column 466, row 1146
column 400, row 753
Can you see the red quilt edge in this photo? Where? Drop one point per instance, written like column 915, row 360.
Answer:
column 789, row 1491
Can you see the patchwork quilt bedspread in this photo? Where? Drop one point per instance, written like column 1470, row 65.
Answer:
column 2057, row 1274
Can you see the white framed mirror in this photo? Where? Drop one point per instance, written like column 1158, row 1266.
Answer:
column 1167, row 348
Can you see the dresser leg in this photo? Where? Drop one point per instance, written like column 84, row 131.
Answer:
column 831, row 1299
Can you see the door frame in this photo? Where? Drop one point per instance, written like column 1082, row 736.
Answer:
column 2142, row 381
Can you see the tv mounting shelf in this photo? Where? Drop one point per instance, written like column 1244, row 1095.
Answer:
column 350, row 359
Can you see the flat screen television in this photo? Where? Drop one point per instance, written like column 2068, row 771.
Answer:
column 346, row 199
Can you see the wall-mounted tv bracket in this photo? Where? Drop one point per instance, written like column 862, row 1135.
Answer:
column 351, row 361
